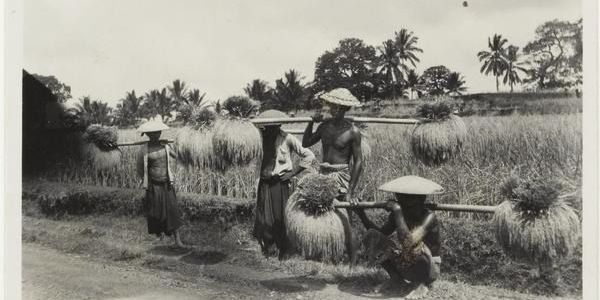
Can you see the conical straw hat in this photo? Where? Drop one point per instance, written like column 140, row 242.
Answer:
column 413, row 185
column 155, row 124
column 340, row 96
column 271, row 114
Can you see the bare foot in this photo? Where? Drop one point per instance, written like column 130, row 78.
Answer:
column 385, row 286
column 418, row 293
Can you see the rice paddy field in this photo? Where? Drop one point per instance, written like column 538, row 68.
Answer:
column 496, row 146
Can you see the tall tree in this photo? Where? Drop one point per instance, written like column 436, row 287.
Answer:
column 93, row 112
column 493, row 60
column 290, row 93
column 193, row 101
column 412, row 82
column 513, row 66
column 555, row 54
column 158, row 103
column 435, row 80
column 455, row 84
column 129, row 109
column 406, row 45
column 258, row 90
column 60, row 90
column 349, row 65
column 390, row 65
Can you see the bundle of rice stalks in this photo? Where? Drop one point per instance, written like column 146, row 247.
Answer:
column 313, row 226
column 440, row 137
column 105, row 138
column 195, row 147
column 235, row 142
column 99, row 147
column 534, row 224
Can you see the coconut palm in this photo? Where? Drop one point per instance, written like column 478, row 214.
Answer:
column 129, row 109
column 93, row 112
column 178, row 91
column 455, row 84
column 290, row 92
column 493, row 60
column 412, row 81
column 257, row 90
column 405, row 43
column 511, row 76
column 158, row 103
column 193, row 102
column 390, row 65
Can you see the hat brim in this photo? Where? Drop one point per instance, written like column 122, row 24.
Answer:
column 342, row 102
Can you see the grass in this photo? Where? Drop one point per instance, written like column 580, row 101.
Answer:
column 548, row 145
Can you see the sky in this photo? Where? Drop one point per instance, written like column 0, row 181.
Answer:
column 104, row 48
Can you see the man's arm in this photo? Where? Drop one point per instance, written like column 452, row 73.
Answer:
column 407, row 237
column 366, row 221
column 309, row 137
column 357, row 165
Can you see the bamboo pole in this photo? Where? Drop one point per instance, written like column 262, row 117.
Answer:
column 258, row 121
column 142, row 143
column 432, row 206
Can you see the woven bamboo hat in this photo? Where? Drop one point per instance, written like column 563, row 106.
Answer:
column 413, row 185
column 270, row 114
column 154, row 124
column 340, row 96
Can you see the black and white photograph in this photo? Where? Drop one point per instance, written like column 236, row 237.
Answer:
column 393, row 149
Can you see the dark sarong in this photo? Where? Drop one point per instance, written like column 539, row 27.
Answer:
column 269, row 225
column 160, row 206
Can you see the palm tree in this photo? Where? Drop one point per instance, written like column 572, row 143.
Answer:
column 129, row 109
column 290, row 92
column 511, row 76
column 405, row 43
column 455, row 84
column 93, row 112
column 493, row 60
column 390, row 64
column 178, row 91
column 257, row 90
column 158, row 102
column 193, row 101
column 412, row 81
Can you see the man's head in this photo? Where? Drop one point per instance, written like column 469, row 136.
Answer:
column 411, row 191
column 339, row 101
column 337, row 111
column 153, row 135
column 410, row 201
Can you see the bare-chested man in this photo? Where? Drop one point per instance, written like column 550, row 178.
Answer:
column 341, row 140
column 408, row 245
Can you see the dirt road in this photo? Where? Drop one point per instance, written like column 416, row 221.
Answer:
column 49, row 274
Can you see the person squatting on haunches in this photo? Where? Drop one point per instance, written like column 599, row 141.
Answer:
column 342, row 153
column 154, row 164
column 276, row 171
column 413, row 252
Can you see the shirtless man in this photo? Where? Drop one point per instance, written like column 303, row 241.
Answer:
column 342, row 154
column 408, row 245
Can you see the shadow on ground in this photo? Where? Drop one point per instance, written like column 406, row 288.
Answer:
column 169, row 250
column 293, row 284
column 198, row 257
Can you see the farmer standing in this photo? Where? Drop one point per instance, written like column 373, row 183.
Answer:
column 154, row 162
column 276, row 172
column 413, row 252
column 341, row 140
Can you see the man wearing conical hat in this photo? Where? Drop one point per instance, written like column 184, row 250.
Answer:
column 154, row 164
column 408, row 245
column 341, row 144
column 277, row 170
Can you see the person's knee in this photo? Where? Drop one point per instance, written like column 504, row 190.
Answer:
column 425, row 270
